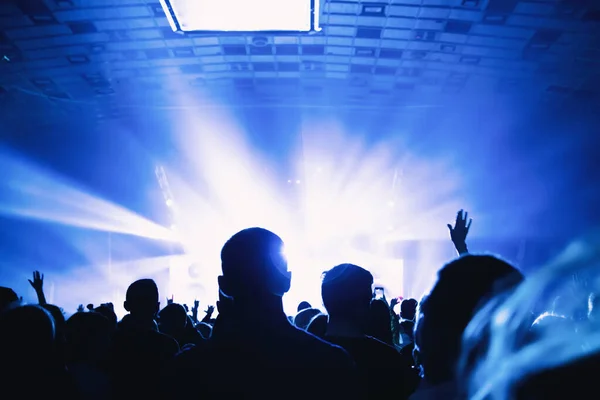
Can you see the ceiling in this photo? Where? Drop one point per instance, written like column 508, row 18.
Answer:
column 62, row 61
column 116, row 53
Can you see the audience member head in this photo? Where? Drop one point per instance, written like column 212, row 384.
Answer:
column 88, row 337
column 108, row 311
column 172, row 319
column 254, row 267
column 27, row 336
column 408, row 309
column 141, row 299
column 347, row 292
column 318, row 325
column 58, row 316
column 380, row 321
column 7, row 297
column 462, row 287
column 303, row 306
column 304, row 317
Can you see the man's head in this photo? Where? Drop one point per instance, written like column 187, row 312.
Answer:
column 347, row 292
column 408, row 309
column 462, row 287
column 303, row 306
column 172, row 319
column 7, row 297
column 254, row 265
column 141, row 298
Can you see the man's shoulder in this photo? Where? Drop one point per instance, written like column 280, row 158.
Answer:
column 310, row 343
column 383, row 348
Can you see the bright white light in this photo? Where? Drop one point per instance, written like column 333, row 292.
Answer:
column 169, row 203
column 35, row 193
column 346, row 200
column 391, row 203
column 297, row 182
column 242, row 15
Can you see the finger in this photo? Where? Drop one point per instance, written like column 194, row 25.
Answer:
column 42, row 277
column 465, row 217
column 450, row 228
column 459, row 216
column 30, row 282
column 469, row 224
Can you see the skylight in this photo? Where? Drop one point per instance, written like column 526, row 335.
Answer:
column 243, row 15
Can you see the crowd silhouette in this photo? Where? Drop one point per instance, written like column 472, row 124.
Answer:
column 462, row 340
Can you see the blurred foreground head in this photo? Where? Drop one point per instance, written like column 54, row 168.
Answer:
column 463, row 286
column 27, row 336
column 254, row 266
column 558, row 353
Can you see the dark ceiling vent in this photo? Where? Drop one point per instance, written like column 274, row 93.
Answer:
column 470, row 3
column 78, row 59
column 313, row 50
column 501, row 6
column 82, row 27
column 456, row 26
column 546, row 36
column 368, row 33
column 390, row 53
column 234, row 50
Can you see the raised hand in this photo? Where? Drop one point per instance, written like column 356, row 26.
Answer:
column 170, row 300
column 80, row 308
column 459, row 232
column 38, row 281
column 196, row 304
column 210, row 310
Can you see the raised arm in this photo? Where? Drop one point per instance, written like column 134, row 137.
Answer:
column 38, row 285
column 459, row 232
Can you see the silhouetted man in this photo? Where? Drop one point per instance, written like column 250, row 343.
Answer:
column 254, row 351
column 139, row 351
column 462, row 287
column 347, row 294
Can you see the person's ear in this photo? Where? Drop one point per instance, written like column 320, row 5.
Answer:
column 126, row 306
